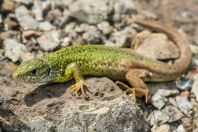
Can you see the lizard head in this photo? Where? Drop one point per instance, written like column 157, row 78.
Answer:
column 35, row 70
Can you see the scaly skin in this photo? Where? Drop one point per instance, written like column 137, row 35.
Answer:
column 78, row 61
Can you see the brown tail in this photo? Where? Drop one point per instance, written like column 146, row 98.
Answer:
column 184, row 61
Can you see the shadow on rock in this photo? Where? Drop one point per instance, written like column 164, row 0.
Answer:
column 46, row 91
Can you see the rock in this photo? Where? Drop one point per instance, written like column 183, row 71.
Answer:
column 38, row 8
column 157, row 117
column 161, row 128
column 194, row 89
column 122, row 38
column 121, row 116
column 40, row 124
column 184, row 83
column 13, row 49
column 84, row 27
column 158, row 99
column 1, row 55
column 9, row 34
column 184, row 104
column 105, row 27
column 107, row 109
column 180, row 128
column 8, row 5
column 27, row 2
column 46, row 26
column 93, row 37
column 66, row 42
column 10, row 23
column 121, row 8
column 173, row 113
column 185, row 94
column 25, row 20
column 155, row 45
column 49, row 40
column 187, row 121
column 55, row 17
column 89, row 11
column 195, row 38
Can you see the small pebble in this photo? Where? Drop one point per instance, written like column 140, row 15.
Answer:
column 121, row 7
column 161, row 128
column 66, row 42
column 105, row 27
column 184, row 84
column 46, row 26
column 157, row 117
column 172, row 101
column 49, row 41
column 25, row 20
column 180, row 128
column 93, row 37
column 13, row 49
column 8, row 5
column 38, row 8
column 184, row 104
column 159, row 98
column 184, row 94
column 173, row 113
column 194, row 89
column 89, row 11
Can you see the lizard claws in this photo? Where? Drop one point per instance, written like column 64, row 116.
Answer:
column 78, row 88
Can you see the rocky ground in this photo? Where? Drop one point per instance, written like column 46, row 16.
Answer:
column 33, row 28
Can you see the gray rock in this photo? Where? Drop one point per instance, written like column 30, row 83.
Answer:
column 105, row 27
column 46, row 26
column 122, row 7
column 121, row 38
column 40, row 124
column 1, row 55
column 180, row 128
column 184, row 83
column 93, row 37
column 91, row 11
column 66, row 42
column 161, row 128
column 173, row 113
column 13, row 49
column 194, row 89
column 25, row 20
column 157, row 117
column 184, row 104
column 38, row 8
column 49, row 40
column 159, row 98
column 24, row 1
column 120, row 117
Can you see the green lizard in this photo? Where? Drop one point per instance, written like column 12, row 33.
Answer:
column 116, row 63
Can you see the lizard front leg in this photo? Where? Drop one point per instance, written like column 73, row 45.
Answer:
column 73, row 71
column 135, row 79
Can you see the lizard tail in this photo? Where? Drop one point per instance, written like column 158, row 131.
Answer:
column 183, row 62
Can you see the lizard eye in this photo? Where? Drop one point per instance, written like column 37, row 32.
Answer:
column 33, row 72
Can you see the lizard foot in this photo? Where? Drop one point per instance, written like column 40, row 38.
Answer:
column 78, row 89
column 136, row 91
column 129, row 91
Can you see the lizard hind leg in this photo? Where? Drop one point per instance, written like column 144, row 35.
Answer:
column 135, row 79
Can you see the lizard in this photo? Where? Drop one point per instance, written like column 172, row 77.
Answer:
column 119, row 64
